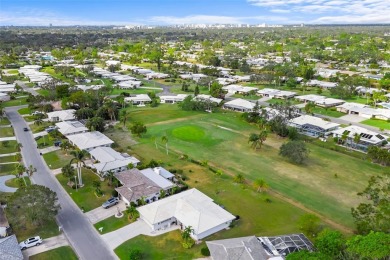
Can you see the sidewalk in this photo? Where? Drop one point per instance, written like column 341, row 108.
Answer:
column 100, row 213
column 118, row 237
column 49, row 149
column 7, row 138
column 47, row 244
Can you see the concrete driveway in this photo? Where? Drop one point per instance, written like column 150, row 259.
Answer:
column 100, row 214
column 118, row 237
column 5, row 188
column 47, row 244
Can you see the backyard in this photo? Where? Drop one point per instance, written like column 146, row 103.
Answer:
column 222, row 139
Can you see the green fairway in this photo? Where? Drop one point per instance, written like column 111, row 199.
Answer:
column 381, row 124
column 60, row 253
column 225, row 145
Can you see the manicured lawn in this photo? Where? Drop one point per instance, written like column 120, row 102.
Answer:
column 227, row 148
column 57, row 159
column 29, row 118
column 282, row 101
column 248, row 97
column 5, row 159
column 43, row 92
column 24, row 111
column 60, row 253
column 15, row 102
column 4, row 121
column 166, row 246
column 85, row 197
column 49, row 229
column 9, row 148
column 6, row 132
column 44, row 141
column 332, row 112
column 112, row 223
column 39, row 128
column 7, row 169
column 15, row 182
column 381, row 124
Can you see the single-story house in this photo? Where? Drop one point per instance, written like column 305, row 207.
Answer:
column 10, row 249
column 238, row 89
column 7, row 88
column 320, row 100
column 92, row 87
column 62, row 115
column 367, row 90
column 259, row 248
column 188, row 208
column 313, row 126
column 130, row 84
column 240, row 105
column 4, row 97
column 137, row 185
column 107, row 159
column 157, row 75
column 173, row 99
column 90, row 140
column 321, row 84
column 349, row 107
column 367, row 112
column 71, row 127
column 140, row 99
column 164, row 173
column 275, row 93
column 366, row 137
column 205, row 98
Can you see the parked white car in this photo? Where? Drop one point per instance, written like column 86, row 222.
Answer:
column 30, row 242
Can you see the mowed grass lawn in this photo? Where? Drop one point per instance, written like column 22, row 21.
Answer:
column 10, row 147
column 112, row 223
column 57, row 159
column 328, row 112
column 222, row 139
column 7, row 169
column 85, row 196
column 60, row 253
column 6, row 132
column 5, row 159
column 381, row 124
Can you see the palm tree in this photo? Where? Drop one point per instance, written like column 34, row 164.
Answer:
column 344, row 136
column 65, row 146
column 18, row 146
column 19, row 171
column 124, row 117
column 163, row 194
column 239, row 178
column 255, row 140
column 141, row 201
column 68, row 171
column 110, row 177
column 132, row 212
column 356, row 139
column 260, row 185
column 186, row 235
column 262, row 136
column 78, row 157
column 30, row 170
column 164, row 139
column 154, row 139
column 38, row 121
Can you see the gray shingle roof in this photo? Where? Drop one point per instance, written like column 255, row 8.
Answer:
column 9, row 249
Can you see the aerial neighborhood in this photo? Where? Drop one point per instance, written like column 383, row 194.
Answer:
column 184, row 142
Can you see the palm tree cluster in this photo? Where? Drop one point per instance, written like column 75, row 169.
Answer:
column 79, row 157
column 257, row 140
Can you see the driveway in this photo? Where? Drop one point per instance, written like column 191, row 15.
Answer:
column 47, row 244
column 83, row 237
column 353, row 118
column 100, row 213
column 5, row 188
column 118, row 237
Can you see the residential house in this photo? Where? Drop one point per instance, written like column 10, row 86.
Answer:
column 62, row 115
column 313, row 126
column 4, row 225
column 71, row 127
column 365, row 111
column 90, row 140
column 240, row 105
column 137, row 185
column 275, row 93
column 173, row 99
column 208, row 98
column 140, row 99
column 321, row 84
column 133, row 84
column 107, row 159
column 190, row 208
column 320, row 100
column 349, row 107
column 10, row 249
column 4, row 97
column 259, row 248
column 238, row 89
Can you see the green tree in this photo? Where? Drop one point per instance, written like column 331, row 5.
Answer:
column 216, row 90
column 138, row 128
column 375, row 245
column 164, row 139
column 124, row 117
column 78, row 157
column 260, row 185
column 254, row 139
column 132, row 212
column 310, row 224
column 68, row 171
column 373, row 214
column 295, row 151
column 239, row 178
column 33, row 205
column 309, row 107
column 95, row 124
column 30, row 170
column 162, row 194
column 330, row 243
column 20, row 169
column 65, row 146
column 135, row 254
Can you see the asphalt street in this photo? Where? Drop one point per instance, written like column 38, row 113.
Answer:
column 83, row 237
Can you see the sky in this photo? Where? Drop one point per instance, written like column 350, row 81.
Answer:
column 168, row 12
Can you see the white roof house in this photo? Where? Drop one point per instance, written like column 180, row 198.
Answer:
column 71, row 127
column 275, row 93
column 111, row 160
column 240, row 105
column 188, row 208
column 173, row 99
column 90, row 140
column 313, row 126
column 346, row 107
column 4, row 97
column 130, row 84
column 238, row 89
column 367, row 137
column 164, row 173
column 140, row 99
column 62, row 115
column 203, row 97
column 158, row 179
column 320, row 100
column 322, row 84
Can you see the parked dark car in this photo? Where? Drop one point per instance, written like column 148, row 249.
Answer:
column 25, row 129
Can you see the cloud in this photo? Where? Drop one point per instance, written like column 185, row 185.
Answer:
column 333, row 11
column 194, row 19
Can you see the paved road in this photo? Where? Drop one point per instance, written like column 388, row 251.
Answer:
column 84, row 239
column 26, row 88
